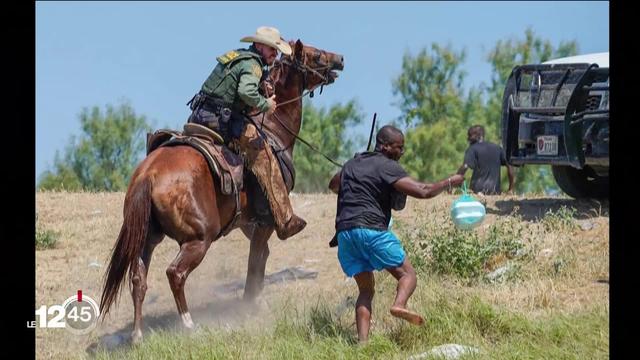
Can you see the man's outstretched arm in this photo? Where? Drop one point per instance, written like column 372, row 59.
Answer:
column 417, row 189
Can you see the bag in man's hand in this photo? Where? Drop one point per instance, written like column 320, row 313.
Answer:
column 466, row 211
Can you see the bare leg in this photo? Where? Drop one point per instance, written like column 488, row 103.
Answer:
column 406, row 276
column 139, row 284
column 190, row 255
column 258, row 255
column 366, row 286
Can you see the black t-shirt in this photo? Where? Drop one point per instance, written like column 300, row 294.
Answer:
column 485, row 159
column 366, row 185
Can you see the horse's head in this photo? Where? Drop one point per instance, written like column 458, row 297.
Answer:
column 320, row 65
column 314, row 66
column 304, row 70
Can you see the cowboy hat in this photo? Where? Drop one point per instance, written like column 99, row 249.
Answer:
column 269, row 36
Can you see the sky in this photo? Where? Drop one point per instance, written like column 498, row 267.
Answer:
column 156, row 55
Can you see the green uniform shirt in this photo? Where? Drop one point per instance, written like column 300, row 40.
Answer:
column 236, row 80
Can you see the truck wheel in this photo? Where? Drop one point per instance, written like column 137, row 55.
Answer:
column 581, row 183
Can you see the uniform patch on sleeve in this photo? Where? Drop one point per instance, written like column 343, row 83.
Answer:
column 228, row 56
column 257, row 71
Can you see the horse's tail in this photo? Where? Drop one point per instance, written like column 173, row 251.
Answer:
column 130, row 243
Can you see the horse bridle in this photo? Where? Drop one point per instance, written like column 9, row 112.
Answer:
column 304, row 68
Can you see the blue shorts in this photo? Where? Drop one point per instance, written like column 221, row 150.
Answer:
column 361, row 250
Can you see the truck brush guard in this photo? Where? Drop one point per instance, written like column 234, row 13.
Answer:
column 566, row 105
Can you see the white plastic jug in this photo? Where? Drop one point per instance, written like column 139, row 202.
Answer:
column 466, row 211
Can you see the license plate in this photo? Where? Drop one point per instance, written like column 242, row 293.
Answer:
column 547, row 145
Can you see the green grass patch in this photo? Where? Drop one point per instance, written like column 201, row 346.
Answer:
column 314, row 334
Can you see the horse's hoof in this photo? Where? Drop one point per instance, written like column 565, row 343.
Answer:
column 197, row 328
column 254, row 305
column 136, row 337
column 187, row 323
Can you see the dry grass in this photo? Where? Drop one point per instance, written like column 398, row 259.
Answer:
column 563, row 275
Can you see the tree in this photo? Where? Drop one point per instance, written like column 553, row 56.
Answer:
column 435, row 111
column 430, row 85
column 325, row 129
column 105, row 154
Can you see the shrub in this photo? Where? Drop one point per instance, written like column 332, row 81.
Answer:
column 45, row 239
column 561, row 220
column 445, row 249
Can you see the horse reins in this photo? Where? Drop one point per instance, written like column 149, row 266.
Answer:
column 304, row 142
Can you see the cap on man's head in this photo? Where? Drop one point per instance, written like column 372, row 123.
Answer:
column 269, row 36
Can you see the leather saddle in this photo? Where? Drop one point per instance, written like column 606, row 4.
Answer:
column 227, row 166
column 223, row 163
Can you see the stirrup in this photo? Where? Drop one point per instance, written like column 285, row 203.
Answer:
column 193, row 129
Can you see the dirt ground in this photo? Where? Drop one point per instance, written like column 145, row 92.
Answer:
column 88, row 224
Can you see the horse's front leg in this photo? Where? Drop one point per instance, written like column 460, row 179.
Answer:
column 258, row 254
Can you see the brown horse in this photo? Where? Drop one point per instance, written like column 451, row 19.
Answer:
column 173, row 193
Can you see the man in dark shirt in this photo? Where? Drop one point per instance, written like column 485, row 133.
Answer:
column 368, row 187
column 485, row 159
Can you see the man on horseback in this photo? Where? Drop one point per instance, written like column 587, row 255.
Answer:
column 228, row 95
